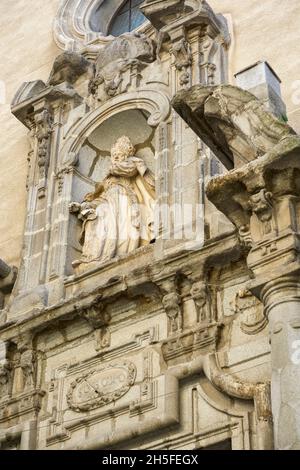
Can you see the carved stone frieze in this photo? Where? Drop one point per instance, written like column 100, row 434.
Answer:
column 101, row 387
column 28, row 403
column 192, row 341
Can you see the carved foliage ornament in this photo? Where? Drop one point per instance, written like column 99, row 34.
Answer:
column 101, row 387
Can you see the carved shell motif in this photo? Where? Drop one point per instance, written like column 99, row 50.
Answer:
column 101, row 386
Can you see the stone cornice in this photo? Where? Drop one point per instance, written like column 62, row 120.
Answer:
column 220, row 251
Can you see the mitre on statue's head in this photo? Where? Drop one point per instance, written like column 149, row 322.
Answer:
column 122, row 149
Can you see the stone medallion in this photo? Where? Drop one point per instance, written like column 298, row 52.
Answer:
column 101, row 387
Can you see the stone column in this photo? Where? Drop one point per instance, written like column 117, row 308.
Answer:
column 281, row 298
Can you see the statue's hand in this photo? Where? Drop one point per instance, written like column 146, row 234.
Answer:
column 74, row 207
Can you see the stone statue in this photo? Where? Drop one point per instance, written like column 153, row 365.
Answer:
column 119, row 216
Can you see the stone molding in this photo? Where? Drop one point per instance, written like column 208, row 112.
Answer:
column 72, row 28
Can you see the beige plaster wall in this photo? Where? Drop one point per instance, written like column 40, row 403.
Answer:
column 267, row 30
column 261, row 30
column 27, row 51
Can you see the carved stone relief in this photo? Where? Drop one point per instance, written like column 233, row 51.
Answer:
column 101, row 387
column 43, row 122
column 253, row 319
column 119, row 64
column 199, row 293
column 5, row 380
column 181, row 50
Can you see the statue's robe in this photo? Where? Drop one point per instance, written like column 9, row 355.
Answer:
column 121, row 219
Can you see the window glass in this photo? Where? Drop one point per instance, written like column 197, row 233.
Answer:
column 127, row 18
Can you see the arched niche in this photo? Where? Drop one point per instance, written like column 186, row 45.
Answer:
column 155, row 105
column 86, row 151
column 94, row 155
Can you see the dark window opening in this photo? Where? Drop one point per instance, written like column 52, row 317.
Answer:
column 127, row 18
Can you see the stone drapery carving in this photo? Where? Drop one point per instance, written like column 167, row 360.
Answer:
column 119, row 216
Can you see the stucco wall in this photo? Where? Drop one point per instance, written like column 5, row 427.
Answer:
column 267, row 30
column 261, row 30
column 27, row 51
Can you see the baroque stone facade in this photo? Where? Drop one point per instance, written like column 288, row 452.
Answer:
column 141, row 312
